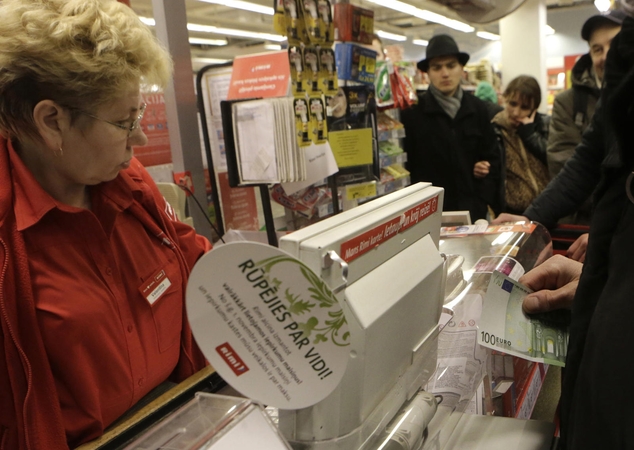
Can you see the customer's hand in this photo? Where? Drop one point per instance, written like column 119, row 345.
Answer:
column 528, row 119
column 554, row 282
column 577, row 250
column 481, row 169
column 505, row 217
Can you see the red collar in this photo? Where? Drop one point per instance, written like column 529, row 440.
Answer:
column 32, row 202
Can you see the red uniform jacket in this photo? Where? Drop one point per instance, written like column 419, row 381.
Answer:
column 30, row 417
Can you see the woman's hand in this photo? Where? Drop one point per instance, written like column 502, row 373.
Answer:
column 554, row 282
column 481, row 169
column 506, row 217
column 577, row 250
column 528, row 119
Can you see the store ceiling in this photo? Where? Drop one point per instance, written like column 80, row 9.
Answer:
column 203, row 13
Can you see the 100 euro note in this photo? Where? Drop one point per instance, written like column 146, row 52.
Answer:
column 505, row 327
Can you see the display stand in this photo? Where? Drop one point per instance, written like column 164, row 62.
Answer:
column 215, row 422
column 134, row 424
column 232, row 168
column 332, row 184
column 268, row 215
column 205, row 131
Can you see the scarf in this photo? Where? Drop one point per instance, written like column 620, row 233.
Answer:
column 449, row 104
column 526, row 175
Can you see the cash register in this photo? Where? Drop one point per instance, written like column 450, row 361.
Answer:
column 382, row 262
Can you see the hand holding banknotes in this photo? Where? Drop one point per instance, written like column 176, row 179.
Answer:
column 554, row 282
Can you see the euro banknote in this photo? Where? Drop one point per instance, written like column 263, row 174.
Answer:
column 504, row 326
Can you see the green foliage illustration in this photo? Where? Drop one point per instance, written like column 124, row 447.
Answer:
column 320, row 292
column 298, row 306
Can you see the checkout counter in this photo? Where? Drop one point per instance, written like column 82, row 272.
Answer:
column 411, row 371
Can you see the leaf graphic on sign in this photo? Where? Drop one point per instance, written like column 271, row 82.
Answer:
column 309, row 326
column 319, row 292
column 297, row 306
column 319, row 289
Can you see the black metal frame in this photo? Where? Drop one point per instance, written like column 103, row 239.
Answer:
column 200, row 100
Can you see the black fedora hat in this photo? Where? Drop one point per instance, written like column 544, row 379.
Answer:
column 614, row 18
column 442, row 45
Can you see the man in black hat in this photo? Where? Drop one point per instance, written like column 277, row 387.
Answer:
column 573, row 109
column 448, row 138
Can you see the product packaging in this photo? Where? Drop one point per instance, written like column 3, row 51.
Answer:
column 311, row 72
column 355, row 63
column 302, row 121
column 328, row 75
column 325, row 21
column 319, row 131
column 295, row 28
column 384, row 98
column 353, row 24
column 279, row 18
column 314, row 30
column 296, row 60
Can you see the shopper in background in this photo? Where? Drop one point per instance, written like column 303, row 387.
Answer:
column 486, row 92
column 522, row 135
column 573, row 109
column 596, row 404
column 568, row 194
column 449, row 140
column 94, row 262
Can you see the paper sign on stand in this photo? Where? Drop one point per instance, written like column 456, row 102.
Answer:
column 320, row 163
column 352, row 147
column 269, row 325
column 260, row 76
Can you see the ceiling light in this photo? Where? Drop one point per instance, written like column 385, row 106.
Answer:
column 272, row 46
column 391, row 36
column 549, row 30
column 203, row 41
column 602, row 5
column 232, row 32
column 210, row 60
column 148, row 21
column 422, row 42
column 424, row 14
column 487, row 35
column 226, row 31
column 238, row 4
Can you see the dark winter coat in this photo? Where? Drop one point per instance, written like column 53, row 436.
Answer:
column 596, row 404
column 564, row 134
column 565, row 194
column 444, row 152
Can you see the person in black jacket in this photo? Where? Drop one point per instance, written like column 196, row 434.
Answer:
column 596, row 404
column 449, row 140
column 522, row 136
column 574, row 163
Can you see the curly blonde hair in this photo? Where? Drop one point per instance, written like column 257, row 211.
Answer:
column 78, row 53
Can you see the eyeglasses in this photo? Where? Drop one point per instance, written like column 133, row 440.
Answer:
column 130, row 129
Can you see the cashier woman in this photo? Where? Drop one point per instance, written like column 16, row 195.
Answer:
column 86, row 240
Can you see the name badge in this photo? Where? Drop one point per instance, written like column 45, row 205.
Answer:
column 155, row 286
